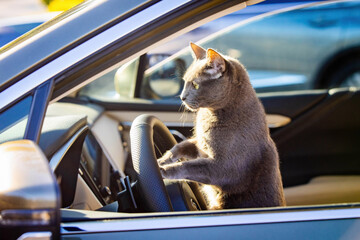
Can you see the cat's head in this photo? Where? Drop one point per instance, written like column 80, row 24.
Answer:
column 207, row 83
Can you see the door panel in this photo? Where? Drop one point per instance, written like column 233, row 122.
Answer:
column 322, row 140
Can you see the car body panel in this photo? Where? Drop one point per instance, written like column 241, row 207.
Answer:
column 340, row 229
column 269, row 224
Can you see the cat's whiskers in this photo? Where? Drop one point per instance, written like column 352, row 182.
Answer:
column 183, row 116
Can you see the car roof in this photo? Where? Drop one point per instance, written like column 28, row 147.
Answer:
column 54, row 37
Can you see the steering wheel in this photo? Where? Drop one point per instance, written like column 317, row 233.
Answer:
column 145, row 130
column 146, row 133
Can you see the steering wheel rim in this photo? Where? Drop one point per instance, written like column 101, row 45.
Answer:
column 145, row 130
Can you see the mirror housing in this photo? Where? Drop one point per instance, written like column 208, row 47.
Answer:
column 165, row 78
column 29, row 193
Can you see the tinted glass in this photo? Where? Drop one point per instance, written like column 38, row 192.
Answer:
column 292, row 50
column 118, row 84
column 303, row 48
column 13, row 120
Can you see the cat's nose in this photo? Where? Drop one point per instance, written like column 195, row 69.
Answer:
column 182, row 97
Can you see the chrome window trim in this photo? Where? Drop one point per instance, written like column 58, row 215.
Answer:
column 201, row 220
column 82, row 51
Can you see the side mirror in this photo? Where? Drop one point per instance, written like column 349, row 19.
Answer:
column 29, row 194
column 159, row 76
column 165, row 79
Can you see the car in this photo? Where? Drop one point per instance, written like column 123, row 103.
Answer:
column 73, row 166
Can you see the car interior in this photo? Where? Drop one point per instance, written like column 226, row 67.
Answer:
column 88, row 148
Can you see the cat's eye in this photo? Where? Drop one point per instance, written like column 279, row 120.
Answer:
column 195, row 85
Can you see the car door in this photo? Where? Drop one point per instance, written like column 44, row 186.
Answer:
column 298, row 120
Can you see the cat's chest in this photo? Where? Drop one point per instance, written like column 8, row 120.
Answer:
column 205, row 129
column 204, row 122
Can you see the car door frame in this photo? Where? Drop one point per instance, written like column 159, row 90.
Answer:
column 316, row 222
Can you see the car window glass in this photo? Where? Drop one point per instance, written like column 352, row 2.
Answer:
column 114, row 86
column 282, row 52
column 13, row 120
column 117, row 85
column 303, row 48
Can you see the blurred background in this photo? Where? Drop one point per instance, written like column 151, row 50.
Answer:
column 19, row 16
column 16, row 8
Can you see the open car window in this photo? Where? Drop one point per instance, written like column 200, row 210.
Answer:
column 293, row 56
column 294, row 49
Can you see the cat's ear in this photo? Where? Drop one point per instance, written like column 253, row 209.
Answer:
column 216, row 60
column 199, row 52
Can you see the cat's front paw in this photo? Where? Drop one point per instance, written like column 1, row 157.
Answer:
column 162, row 171
column 166, row 159
column 168, row 172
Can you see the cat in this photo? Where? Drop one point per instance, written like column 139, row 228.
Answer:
column 231, row 153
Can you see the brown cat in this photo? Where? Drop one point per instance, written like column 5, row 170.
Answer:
column 231, row 152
